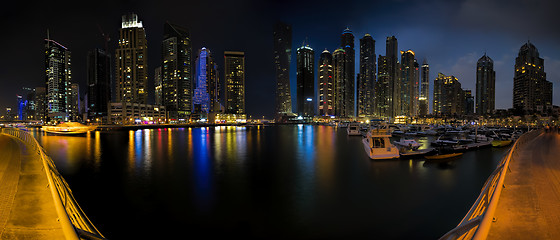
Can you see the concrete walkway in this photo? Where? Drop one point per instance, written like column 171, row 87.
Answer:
column 529, row 206
column 27, row 208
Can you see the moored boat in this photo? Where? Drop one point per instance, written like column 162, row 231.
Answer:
column 442, row 156
column 501, row 143
column 68, row 128
column 378, row 146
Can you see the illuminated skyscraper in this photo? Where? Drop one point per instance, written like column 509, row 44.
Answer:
column 132, row 61
column 366, row 79
column 485, row 85
column 282, row 59
column 234, row 82
column 408, row 85
column 347, row 43
column 531, row 91
column 383, row 89
column 206, row 97
column 305, row 81
column 423, row 100
column 176, row 71
column 99, row 84
column 326, row 84
column 449, row 98
column 58, row 80
column 393, row 72
column 339, row 69
column 158, row 86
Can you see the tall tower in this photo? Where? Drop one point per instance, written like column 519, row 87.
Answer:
column 305, row 81
column 176, row 71
column 408, row 85
column 234, row 82
column 366, row 81
column 348, row 74
column 282, row 59
column 131, row 57
column 58, row 80
column 423, row 100
column 206, row 97
column 326, row 84
column 393, row 75
column 531, row 91
column 449, row 97
column 383, row 89
column 339, row 69
column 98, row 84
column 485, row 85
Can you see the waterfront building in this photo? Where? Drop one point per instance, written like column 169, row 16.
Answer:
column 234, row 82
column 176, row 71
column 409, row 87
column 423, row 100
column 135, row 113
column 326, row 84
column 131, row 57
column 383, row 89
column 158, row 86
column 57, row 80
column 282, row 58
column 531, row 91
column 348, row 74
column 468, row 107
column 339, row 58
column 305, row 81
column 485, row 86
column 366, row 79
column 40, row 100
column 74, row 102
column 98, row 84
column 206, row 97
column 448, row 98
column 394, row 101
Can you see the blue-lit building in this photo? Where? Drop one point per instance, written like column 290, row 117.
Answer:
column 206, row 96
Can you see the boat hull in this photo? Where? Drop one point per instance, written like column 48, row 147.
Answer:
column 380, row 153
column 443, row 156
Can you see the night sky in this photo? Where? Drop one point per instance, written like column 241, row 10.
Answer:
column 451, row 35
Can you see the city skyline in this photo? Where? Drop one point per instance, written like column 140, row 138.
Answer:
column 447, row 49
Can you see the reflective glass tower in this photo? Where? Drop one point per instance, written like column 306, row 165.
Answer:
column 305, row 81
column 485, row 86
column 531, row 91
column 58, row 80
column 234, row 82
column 282, row 58
column 366, row 79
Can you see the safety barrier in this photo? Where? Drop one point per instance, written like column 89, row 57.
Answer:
column 75, row 224
column 476, row 224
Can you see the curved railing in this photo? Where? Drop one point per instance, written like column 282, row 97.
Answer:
column 476, row 224
column 75, row 223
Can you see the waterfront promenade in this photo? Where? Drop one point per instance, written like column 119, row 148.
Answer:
column 27, row 209
column 529, row 205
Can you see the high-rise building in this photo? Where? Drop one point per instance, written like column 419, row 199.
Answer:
column 206, row 97
column 131, row 57
column 176, row 71
column 98, row 84
column 485, row 85
column 234, row 82
column 391, row 46
column 531, row 91
column 158, row 86
column 423, row 102
column 383, row 89
column 468, row 108
column 40, row 103
column 409, row 87
column 347, row 43
column 339, row 69
column 305, row 81
column 58, row 79
column 326, row 84
column 449, row 97
column 282, row 59
column 366, row 81
column 74, row 102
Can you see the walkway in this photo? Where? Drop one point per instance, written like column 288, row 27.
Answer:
column 27, row 208
column 529, row 206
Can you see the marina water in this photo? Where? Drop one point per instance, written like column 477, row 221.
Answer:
column 262, row 182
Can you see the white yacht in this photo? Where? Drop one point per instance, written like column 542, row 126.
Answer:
column 408, row 143
column 378, row 146
column 353, row 129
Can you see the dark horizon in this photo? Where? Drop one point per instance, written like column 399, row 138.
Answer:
column 450, row 35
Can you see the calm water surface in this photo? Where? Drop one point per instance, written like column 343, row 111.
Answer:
column 273, row 182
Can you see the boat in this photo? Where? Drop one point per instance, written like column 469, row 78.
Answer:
column 378, row 146
column 414, row 153
column 442, row 156
column 408, row 143
column 68, row 128
column 501, row 143
column 353, row 129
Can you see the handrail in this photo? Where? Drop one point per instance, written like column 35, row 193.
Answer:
column 477, row 221
column 75, row 224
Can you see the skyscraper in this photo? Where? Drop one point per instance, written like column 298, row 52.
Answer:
column 449, row 97
column 366, row 81
column 383, row 89
column 394, row 101
column 132, row 61
column 158, row 86
column 344, row 64
column 98, row 84
column 282, row 59
column 206, row 97
column 408, row 85
column 423, row 100
column 234, row 82
column 176, row 71
column 531, row 91
column 58, row 80
column 339, row 69
column 485, row 85
column 305, row 81
column 326, row 84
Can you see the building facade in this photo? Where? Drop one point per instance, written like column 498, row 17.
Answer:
column 409, row 87
column 98, row 84
column 383, row 89
column 305, row 81
column 485, row 86
column 206, row 96
column 392, row 54
column 326, row 88
column 282, row 59
column 131, row 57
column 423, row 99
column 449, row 97
column 349, row 76
column 366, row 80
column 531, row 91
column 57, row 80
column 234, row 82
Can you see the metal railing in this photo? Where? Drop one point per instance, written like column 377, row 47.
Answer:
column 75, row 224
column 476, row 224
